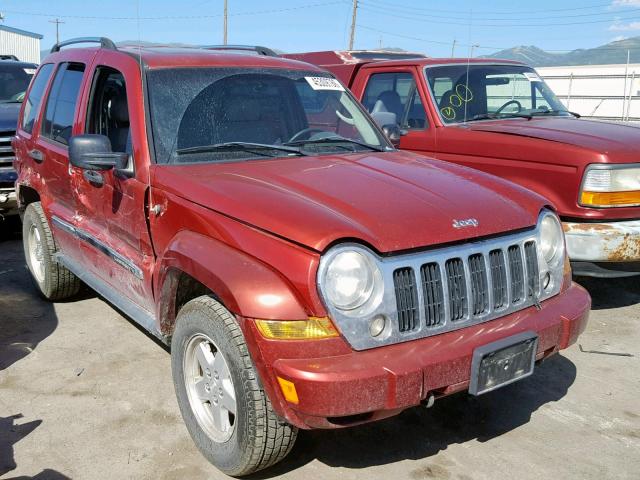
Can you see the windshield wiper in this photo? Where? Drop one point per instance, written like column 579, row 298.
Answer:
column 256, row 148
column 336, row 140
column 549, row 112
column 493, row 116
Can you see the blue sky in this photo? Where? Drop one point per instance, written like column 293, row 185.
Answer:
column 299, row 25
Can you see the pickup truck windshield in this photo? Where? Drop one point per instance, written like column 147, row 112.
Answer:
column 14, row 81
column 227, row 114
column 465, row 93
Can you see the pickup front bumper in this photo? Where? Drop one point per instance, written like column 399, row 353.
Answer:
column 8, row 203
column 604, row 249
column 357, row 387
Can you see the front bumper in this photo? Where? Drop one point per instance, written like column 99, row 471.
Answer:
column 603, row 249
column 346, row 389
column 8, row 201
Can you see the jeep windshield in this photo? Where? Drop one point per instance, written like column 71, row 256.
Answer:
column 14, row 81
column 227, row 114
column 465, row 93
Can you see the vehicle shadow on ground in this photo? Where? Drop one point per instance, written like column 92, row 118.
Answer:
column 25, row 318
column 611, row 292
column 420, row 433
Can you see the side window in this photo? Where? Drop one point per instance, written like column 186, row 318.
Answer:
column 396, row 93
column 33, row 100
column 108, row 109
column 61, row 104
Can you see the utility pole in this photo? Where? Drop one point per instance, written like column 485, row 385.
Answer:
column 353, row 24
column 57, row 21
column 224, row 34
column 453, row 47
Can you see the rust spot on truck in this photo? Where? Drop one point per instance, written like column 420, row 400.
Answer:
column 585, row 227
column 628, row 249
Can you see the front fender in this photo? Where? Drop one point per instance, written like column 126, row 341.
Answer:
column 244, row 284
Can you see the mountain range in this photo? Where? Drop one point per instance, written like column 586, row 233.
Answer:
column 611, row 53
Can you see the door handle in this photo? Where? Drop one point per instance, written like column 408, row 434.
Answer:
column 36, row 155
column 93, row 177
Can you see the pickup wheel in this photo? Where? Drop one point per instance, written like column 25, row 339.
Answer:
column 226, row 411
column 54, row 281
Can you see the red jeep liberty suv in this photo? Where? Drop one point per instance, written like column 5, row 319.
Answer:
column 246, row 210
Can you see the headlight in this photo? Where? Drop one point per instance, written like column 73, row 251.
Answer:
column 551, row 254
column 551, row 239
column 350, row 278
column 611, row 186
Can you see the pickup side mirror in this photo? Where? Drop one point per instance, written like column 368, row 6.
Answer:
column 93, row 152
column 393, row 133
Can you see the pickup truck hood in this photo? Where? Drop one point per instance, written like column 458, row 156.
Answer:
column 603, row 137
column 393, row 201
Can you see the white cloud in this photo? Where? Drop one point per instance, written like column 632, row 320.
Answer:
column 618, row 38
column 624, row 27
column 625, row 3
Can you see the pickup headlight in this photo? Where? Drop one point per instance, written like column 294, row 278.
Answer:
column 611, row 186
column 350, row 280
column 552, row 252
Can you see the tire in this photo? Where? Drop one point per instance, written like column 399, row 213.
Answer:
column 254, row 438
column 54, row 281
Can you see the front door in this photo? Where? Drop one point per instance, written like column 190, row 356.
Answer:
column 112, row 204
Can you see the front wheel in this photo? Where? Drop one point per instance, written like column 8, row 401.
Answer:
column 227, row 413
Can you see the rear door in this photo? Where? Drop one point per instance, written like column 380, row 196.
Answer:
column 48, row 151
column 398, row 90
column 118, row 247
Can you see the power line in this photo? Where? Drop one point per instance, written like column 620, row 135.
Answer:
column 487, row 12
column 484, row 47
column 501, row 25
column 175, row 17
column 510, row 19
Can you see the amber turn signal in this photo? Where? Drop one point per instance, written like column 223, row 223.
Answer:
column 314, row 328
column 610, row 199
column 288, row 390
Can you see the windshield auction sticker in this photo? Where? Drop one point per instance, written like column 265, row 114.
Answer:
column 532, row 77
column 324, row 83
column 29, row 71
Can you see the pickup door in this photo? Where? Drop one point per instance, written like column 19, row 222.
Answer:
column 399, row 90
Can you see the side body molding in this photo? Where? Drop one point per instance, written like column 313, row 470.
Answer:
column 244, row 284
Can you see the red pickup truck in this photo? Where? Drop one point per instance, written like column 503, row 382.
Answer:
column 247, row 211
column 500, row 117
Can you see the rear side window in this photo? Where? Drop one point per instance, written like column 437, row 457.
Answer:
column 61, row 104
column 32, row 102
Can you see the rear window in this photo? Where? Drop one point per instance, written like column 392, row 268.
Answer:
column 33, row 100
column 61, row 104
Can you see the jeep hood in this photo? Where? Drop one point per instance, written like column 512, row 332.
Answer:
column 392, row 201
column 602, row 137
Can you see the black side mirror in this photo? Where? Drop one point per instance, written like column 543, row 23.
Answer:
column 393, row 133
column 93, row 152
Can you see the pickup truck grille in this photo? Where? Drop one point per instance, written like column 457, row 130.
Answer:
column 474, row 286
column 6, row 152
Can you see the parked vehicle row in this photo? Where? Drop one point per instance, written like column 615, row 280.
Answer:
column 500, row 117
column 248, row 211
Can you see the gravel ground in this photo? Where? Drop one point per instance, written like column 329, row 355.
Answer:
column 84, row 394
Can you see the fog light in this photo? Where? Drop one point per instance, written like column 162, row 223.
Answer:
column 546, row 280
column 376, row 327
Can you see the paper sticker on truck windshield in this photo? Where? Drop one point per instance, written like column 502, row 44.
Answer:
column 324, row 83
column 29, row 71
column 532, row 76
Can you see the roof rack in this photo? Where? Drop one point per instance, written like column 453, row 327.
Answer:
column 103, row 41
column 243, row 48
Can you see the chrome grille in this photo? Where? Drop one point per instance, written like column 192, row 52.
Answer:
column 465, row 289
column 6, row 152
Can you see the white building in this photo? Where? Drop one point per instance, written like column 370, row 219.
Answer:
column 609, row 92
column 20, row 43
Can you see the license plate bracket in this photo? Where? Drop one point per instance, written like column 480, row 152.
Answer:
column 502, row 362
